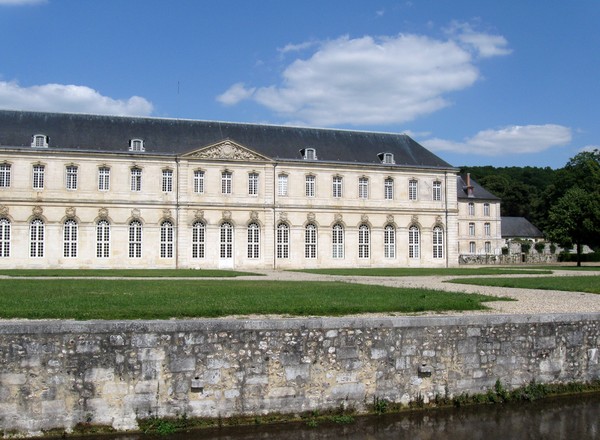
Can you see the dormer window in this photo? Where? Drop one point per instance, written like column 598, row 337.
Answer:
column 309, row 153
column 386, row 158
column 136, row 145
column 40, row 141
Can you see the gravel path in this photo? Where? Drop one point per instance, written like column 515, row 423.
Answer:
column 528, row 301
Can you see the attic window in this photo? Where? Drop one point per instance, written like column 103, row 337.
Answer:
column 309, row 153
column 39, row 141
column 386, row 158
column 136, row 145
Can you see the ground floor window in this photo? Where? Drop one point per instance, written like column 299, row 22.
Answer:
column 36, row 238
column 253, row 241
column 363, row 241
column 337, row 240
column 389, row 242
column 103, row 239
column 310, row 241
column 438, row 242
column 166, row 239
column 283, row 241
column 135, row 239
column 226, row 240
column 198, row 234
column 4, row 237
column 413, row 242
column 70, row 239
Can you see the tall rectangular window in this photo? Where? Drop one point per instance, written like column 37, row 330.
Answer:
column 363, row 241
column 4, row 175
column 253, row 184
column 472, row 229
column 363, row 188
column 487, row 229
column 103, row 179
column 414, row 239
column 283, row 241
column 437, row 191
column 486, row 209
column 388, row 186
column 488, row 247
column 438, row 242
column 310, row 241
column 199, row 182
column 166, row 240
column 135, row 239
column 103, row 239
column 36, row 238
column 337, row 241
column 472, row 248
column 226, row 241
column 282, row 185
column 70, row 239
column 4, row 237
column 337, row 186
column 389, row 242
column 136, row 179
column 38, row 176
column 167, row 180
column 310, row 185
column 253, row 241
column 198, row 234
column 412, row 189
column 471, row 208
column 71, row 177
column 226, row 182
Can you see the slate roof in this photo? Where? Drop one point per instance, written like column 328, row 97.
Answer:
column 81, row 132
column 479, row 192
column 518, row 227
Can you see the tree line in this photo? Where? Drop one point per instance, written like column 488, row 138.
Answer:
column 564, row 203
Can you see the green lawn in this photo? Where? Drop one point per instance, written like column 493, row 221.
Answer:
column 406, row 272
column 134, row 273
column 590, row 284
column 165, row 299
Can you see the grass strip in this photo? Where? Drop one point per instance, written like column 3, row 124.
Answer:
column 406, row 272
column 589, row 284
column 165, row 299
column 126, row 273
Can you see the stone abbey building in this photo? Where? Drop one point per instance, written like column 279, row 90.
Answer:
column 89, row 191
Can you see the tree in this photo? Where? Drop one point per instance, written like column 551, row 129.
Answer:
column 575, row 219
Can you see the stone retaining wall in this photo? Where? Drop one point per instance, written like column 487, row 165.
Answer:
column 56, row 374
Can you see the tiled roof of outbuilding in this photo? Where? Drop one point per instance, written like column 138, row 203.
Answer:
column 519, row 227
column 82, row 132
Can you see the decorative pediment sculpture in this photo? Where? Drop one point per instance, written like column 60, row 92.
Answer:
column 227, row 150
column 37, row 211
column 70, row 212
column 103, row 213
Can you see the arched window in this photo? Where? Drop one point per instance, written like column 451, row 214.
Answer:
column 363, row 241
column 70, row 239
column 253, row 241
column 198, row 237
column 389, row 242
column 283, row 241
column 103, row 239
column 438, row 242
column 36, row 238
column 310, row 241
column 4, row 237
column 226, row 240
column 337, row 240
column 413, row 242
column 135, row 239
column 166, row 239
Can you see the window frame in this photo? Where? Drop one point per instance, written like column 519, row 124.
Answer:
column 70, row 236
column 5, row 175
column 167, row 180
column 37, row 238
column 71, row 177
column 337, row 188
column 253, row 183
column 310, row 185
column 5, row 237
column 103, row 178
column 363, row 187
column 337, row 241
column 282, row 241
column 436, row 191
column 486, row 210
column 364, row 242
column 310, row 241
column 198, row 240
column 226, row 232
column 389, row 242
column 282, row 185
column 167, row 234
column 226, row 182
column 413, row 190
column 135, row 179
column 199, row 184
column 253, row 248
column 471, row 229
column 136, row 145
column 39, row 171
column 388, row 188
column 103, row 239
column 437, row 240
column 135, row 230
column 471, row 209
column 414, row 242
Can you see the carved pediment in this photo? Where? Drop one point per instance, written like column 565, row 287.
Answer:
column 227, row 150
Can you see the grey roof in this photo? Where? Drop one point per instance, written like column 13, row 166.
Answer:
column 479, row 192
column 512, row 227
column 82, row 132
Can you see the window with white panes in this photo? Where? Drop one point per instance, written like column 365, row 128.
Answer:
column 226, row 240
column 337, row 241
column 413, row 186
column 487, row 229
column 437, row 190
column 103, row 179
column 167, row 180
column 472, row 229
column 71, row 177
column 36, row 238
column 38, row 176
column 283, row 240
column 310, row 185
column 136, row 179
column 198, row 237
column 5, row 169
column 70, row 239
column 438, row 242
column 310, row 241
column 388, row 187
column 226, row 178
column 414, row 239
column 282, row 185
column 363, row 188
column 199, row 182
column 471, row 208
column 135, row 239
column 103, row 239
column 253, row 241
column 4, row 237
column 389, row 242
column 166, row 239
column 253, row 184
column 486, row 209
column 337, row 186
column 364, row 241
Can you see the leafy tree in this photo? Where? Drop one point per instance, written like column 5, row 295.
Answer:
column 575, row 219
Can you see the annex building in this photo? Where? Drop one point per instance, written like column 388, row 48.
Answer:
column 89, row 191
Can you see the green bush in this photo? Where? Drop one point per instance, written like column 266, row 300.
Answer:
column 566, row 257
column 539, row 247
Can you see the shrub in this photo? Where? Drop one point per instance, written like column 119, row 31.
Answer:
column 539, row 247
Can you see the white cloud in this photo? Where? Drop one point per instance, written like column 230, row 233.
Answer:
column 297, row 47
column 367, row 80
column 21, row 2
column 69, row 98
column 515, row 139
column 485, row 45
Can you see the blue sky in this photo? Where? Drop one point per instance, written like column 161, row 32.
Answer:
column 479, row 82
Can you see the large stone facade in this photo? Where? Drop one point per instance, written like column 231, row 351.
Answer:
column 175, row 200
column 55, row 375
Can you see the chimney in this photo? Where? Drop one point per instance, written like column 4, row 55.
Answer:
column 469, row 186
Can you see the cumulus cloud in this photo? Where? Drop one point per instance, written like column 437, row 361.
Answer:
column 515, row 139
column 485, row 45
column 369, row 80
column 21, row 2
column 69, row 98
column 589, row 149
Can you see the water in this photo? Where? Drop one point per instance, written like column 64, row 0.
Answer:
column 565, row 418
